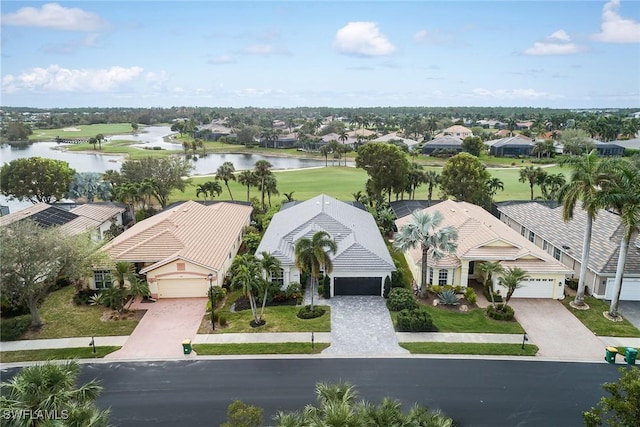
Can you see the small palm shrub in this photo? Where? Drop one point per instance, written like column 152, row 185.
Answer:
column 400, row 299
column 222, row 319
column 306, row 312
column 417, row 320
column 500, row 312
column 218, row 294
column 470, row 295
column 448, row 297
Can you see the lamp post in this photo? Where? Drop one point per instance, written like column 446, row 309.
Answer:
column 210, row 276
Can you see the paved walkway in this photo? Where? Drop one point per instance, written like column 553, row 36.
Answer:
column 163, row 328
column 262, row 337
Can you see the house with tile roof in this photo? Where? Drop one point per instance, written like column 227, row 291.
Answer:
column 447, row 143
column 179, row 247
column 458, row 131
column 362, row 261
column 394, row 137
column 484, row 238
column 93, row 218
column 512, row 146
column 542, row 223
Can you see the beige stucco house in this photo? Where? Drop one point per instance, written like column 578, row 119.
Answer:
column 178, row 248
column 484, row 238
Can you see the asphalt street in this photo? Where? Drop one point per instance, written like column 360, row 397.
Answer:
column 473, row 392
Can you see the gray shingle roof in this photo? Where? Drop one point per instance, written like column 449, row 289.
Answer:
column 360, row 245
column 546, row 222
column 512, row 141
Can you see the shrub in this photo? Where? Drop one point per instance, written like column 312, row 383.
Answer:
column 239, row 414
column 12, row 308
column 397, row 279
column 500, row 312
column 306, row 312
column 326, row 288
column 320, row 290
column 12, row 329
column 83, row 296
column 572, row 283
column 400, row 299
column 218, row 294
column 470, row 295
column 417, row 320
column 496, row 297
column 448, row 297
column 222, row 319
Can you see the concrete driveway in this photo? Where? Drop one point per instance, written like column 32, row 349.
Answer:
column 630, row 310
column 163, row 328
column 557, row 333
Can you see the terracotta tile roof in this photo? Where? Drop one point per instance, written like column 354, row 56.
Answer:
column 481, row 236
column 98, row 212
column 203, row 234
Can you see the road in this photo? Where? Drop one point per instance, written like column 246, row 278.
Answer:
column 473, row 392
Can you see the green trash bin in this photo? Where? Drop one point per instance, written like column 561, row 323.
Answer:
column 630, row 355
column 610, row 355
column 186, row 346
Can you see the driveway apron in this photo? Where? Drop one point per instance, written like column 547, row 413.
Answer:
column 161, row 331
column 630, row 310
column 557, row 333
column 361, row 325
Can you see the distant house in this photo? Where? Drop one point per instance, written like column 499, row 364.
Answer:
column 362, row 261
column 632, row 144
column 447, row 143
column 284, row 141
column 609, row 149
column 93, row 218
column 458, row 131
column 543, row 224
column 394, row 137
column 513, row 146
column 179, row 247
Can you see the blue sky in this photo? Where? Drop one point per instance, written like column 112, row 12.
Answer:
column 571, row 54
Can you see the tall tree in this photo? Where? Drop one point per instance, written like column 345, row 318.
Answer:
column 588, row 174
column 249, row 179
column 271, row 267
column 168, row 174
column 386, row 165
column 262, row 169
column 314, row 255
column 465, row 178
column 33, row 257
column 247, row 275
column 432, row 179
column 36, row 179
column 531, row 175
column 226, row 172
column 422, row 231
column 474, row 145
column 51, row 388
column 209, row 189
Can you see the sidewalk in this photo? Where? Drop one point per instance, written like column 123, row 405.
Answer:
column 280, row 337
column 62, row 343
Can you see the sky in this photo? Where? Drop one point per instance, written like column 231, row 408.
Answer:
column 150, row 53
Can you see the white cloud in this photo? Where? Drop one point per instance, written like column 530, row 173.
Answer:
column 57, row 79
column 616, row 29
column 157, row 80
column 52, row 15
column 513, row 94
column 362, row 39
column 420, row 36
column 557, row 43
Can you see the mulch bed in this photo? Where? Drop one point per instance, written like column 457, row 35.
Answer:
column 430, row 297
column 114, row 316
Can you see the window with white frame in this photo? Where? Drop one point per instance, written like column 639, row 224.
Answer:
column 278, row 277
column 443, row 275
column 557, row 254
column 102, row 279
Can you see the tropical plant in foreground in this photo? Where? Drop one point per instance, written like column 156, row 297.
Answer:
column 512, row 279
column 314, row 255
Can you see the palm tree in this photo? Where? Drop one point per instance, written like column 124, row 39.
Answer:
column 325, row 150
column 209, row 189
column 262, row 169
column 623, row 194
column 271, row 187
column 247, row 276
column 552, row 185
column 248, row 179
column 432, row 179
column 226, row 172
column 490, row 268
column 530, row 174
column 587, row 176
column 512, row 280
column 99, row 139
column 288, row 197
column 423, row 230
column 51, row 387
column 313, row 255
column 415, row 178
column 93, row 141
column 122, row 272
column 493, row 185
column 271, row 267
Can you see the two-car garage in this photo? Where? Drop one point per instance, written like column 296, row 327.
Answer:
column 357, row 286
column 630, row 289
column 183, row 288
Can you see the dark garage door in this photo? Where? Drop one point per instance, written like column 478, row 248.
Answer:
column 357, row 286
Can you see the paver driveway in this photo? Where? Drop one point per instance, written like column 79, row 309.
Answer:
column 557, row 333
column 361, row 325
column 163, row 328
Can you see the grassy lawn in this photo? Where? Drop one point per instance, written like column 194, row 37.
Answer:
column 473, row 320
column 279, row 319
column 56, row 354
column 84, row 132
column 63, row 319
column 259, row 348
column 121, row 148
column 470, row 348
column 597, row 323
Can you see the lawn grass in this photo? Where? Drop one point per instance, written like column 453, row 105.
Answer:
column 85, row 131
column 281, row 318
column 259, row 348
column 63, row 319
column 597, row 323
column 122, row 148
column 473, row 320
column 56, row 354
column 470, row 348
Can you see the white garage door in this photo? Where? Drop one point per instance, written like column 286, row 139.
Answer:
column 182, row 288
column 535, row 288
column 630, row 289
